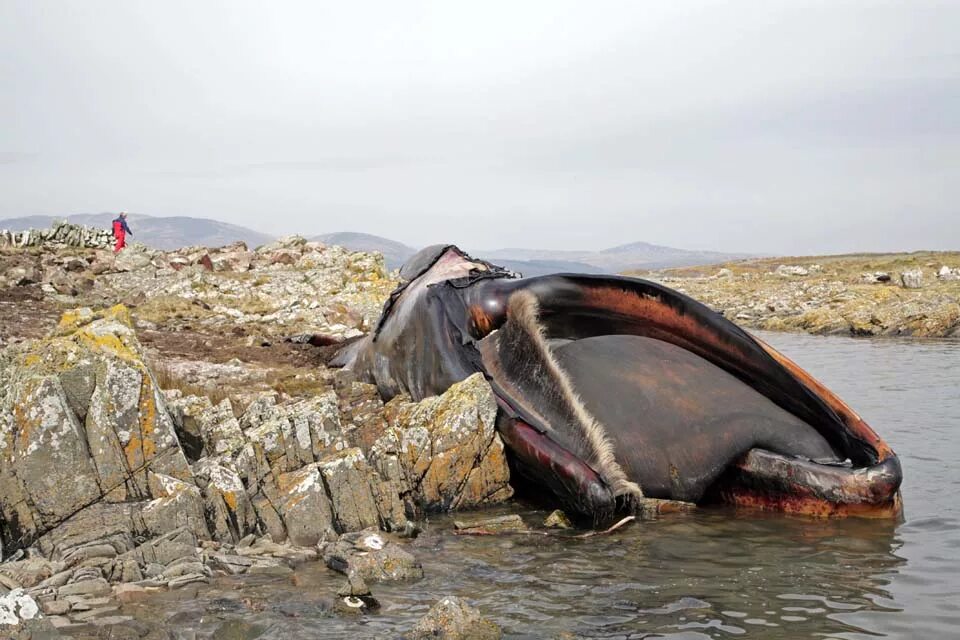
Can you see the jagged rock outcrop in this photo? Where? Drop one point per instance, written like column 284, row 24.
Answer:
column 444, row 451
column 82, row 422
column 105, row 480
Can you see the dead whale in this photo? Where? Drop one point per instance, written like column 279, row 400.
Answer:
column 616, row 393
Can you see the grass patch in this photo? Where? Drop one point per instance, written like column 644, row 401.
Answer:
column 168, row 381
column 159, row 309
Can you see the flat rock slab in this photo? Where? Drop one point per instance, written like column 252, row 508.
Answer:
column 500, row 524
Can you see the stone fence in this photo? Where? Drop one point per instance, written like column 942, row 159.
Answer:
column 61, row 234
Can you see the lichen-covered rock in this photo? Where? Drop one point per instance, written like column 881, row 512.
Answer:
column 453, row 619
column 359, row 496
column 373, row 556
column 16, row 607
column 912, row 279
column 292, row 435
column 220, row 429
column 81, row 421
column 787, row 270
column 947, row 273
column 230, row 513
column 444, row 451
column 557, row 520
column 176, row 504
column 305, row 507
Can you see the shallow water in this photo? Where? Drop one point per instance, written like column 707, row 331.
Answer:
column 715, row 573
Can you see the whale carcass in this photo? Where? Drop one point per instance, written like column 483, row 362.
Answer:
column 616, row 393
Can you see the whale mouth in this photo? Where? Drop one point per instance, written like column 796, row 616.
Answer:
column 668, row 400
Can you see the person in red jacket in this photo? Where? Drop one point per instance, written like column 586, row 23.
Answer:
column 120, row 231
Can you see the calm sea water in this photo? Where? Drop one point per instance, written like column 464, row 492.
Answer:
column 712, row 574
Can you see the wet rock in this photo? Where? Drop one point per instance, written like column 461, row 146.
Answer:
column 453, row 619
column 129, row 592
column 557, row 520
column 372, row 556
column 35, row 629
column 355, row 604
column 911, row 279
column 354, row 586
column 238, row 630
column 187, row 579
column 229, row 564
column 500, row 524
column 444, row 452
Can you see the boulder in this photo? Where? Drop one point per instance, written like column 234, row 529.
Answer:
column 133, row 259
column 557, row 520
column 788, row 270
column 373, row 556
column 912, row 279
column 946, row 273
column 453, row 619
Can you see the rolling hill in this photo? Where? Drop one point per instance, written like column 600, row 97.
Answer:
column 636, row 255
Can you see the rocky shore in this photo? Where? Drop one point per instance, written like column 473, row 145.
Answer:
column 166, row 420
column 168, row 423
column 910, row 294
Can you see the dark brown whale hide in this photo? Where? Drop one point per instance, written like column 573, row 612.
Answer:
column 618, row 393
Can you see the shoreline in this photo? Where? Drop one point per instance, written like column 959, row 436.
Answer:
column 880, row 295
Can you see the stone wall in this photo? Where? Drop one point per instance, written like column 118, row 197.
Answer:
column 61, row 234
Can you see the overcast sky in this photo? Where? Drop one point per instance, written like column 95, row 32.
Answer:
column 775, row 127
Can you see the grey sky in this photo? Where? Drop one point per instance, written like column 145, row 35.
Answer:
column 788, row 127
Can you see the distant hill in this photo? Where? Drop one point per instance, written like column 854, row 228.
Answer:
column 174, row 232
column 165, row 233
column 394, row 253
column 636, row 255
column 530, row 268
